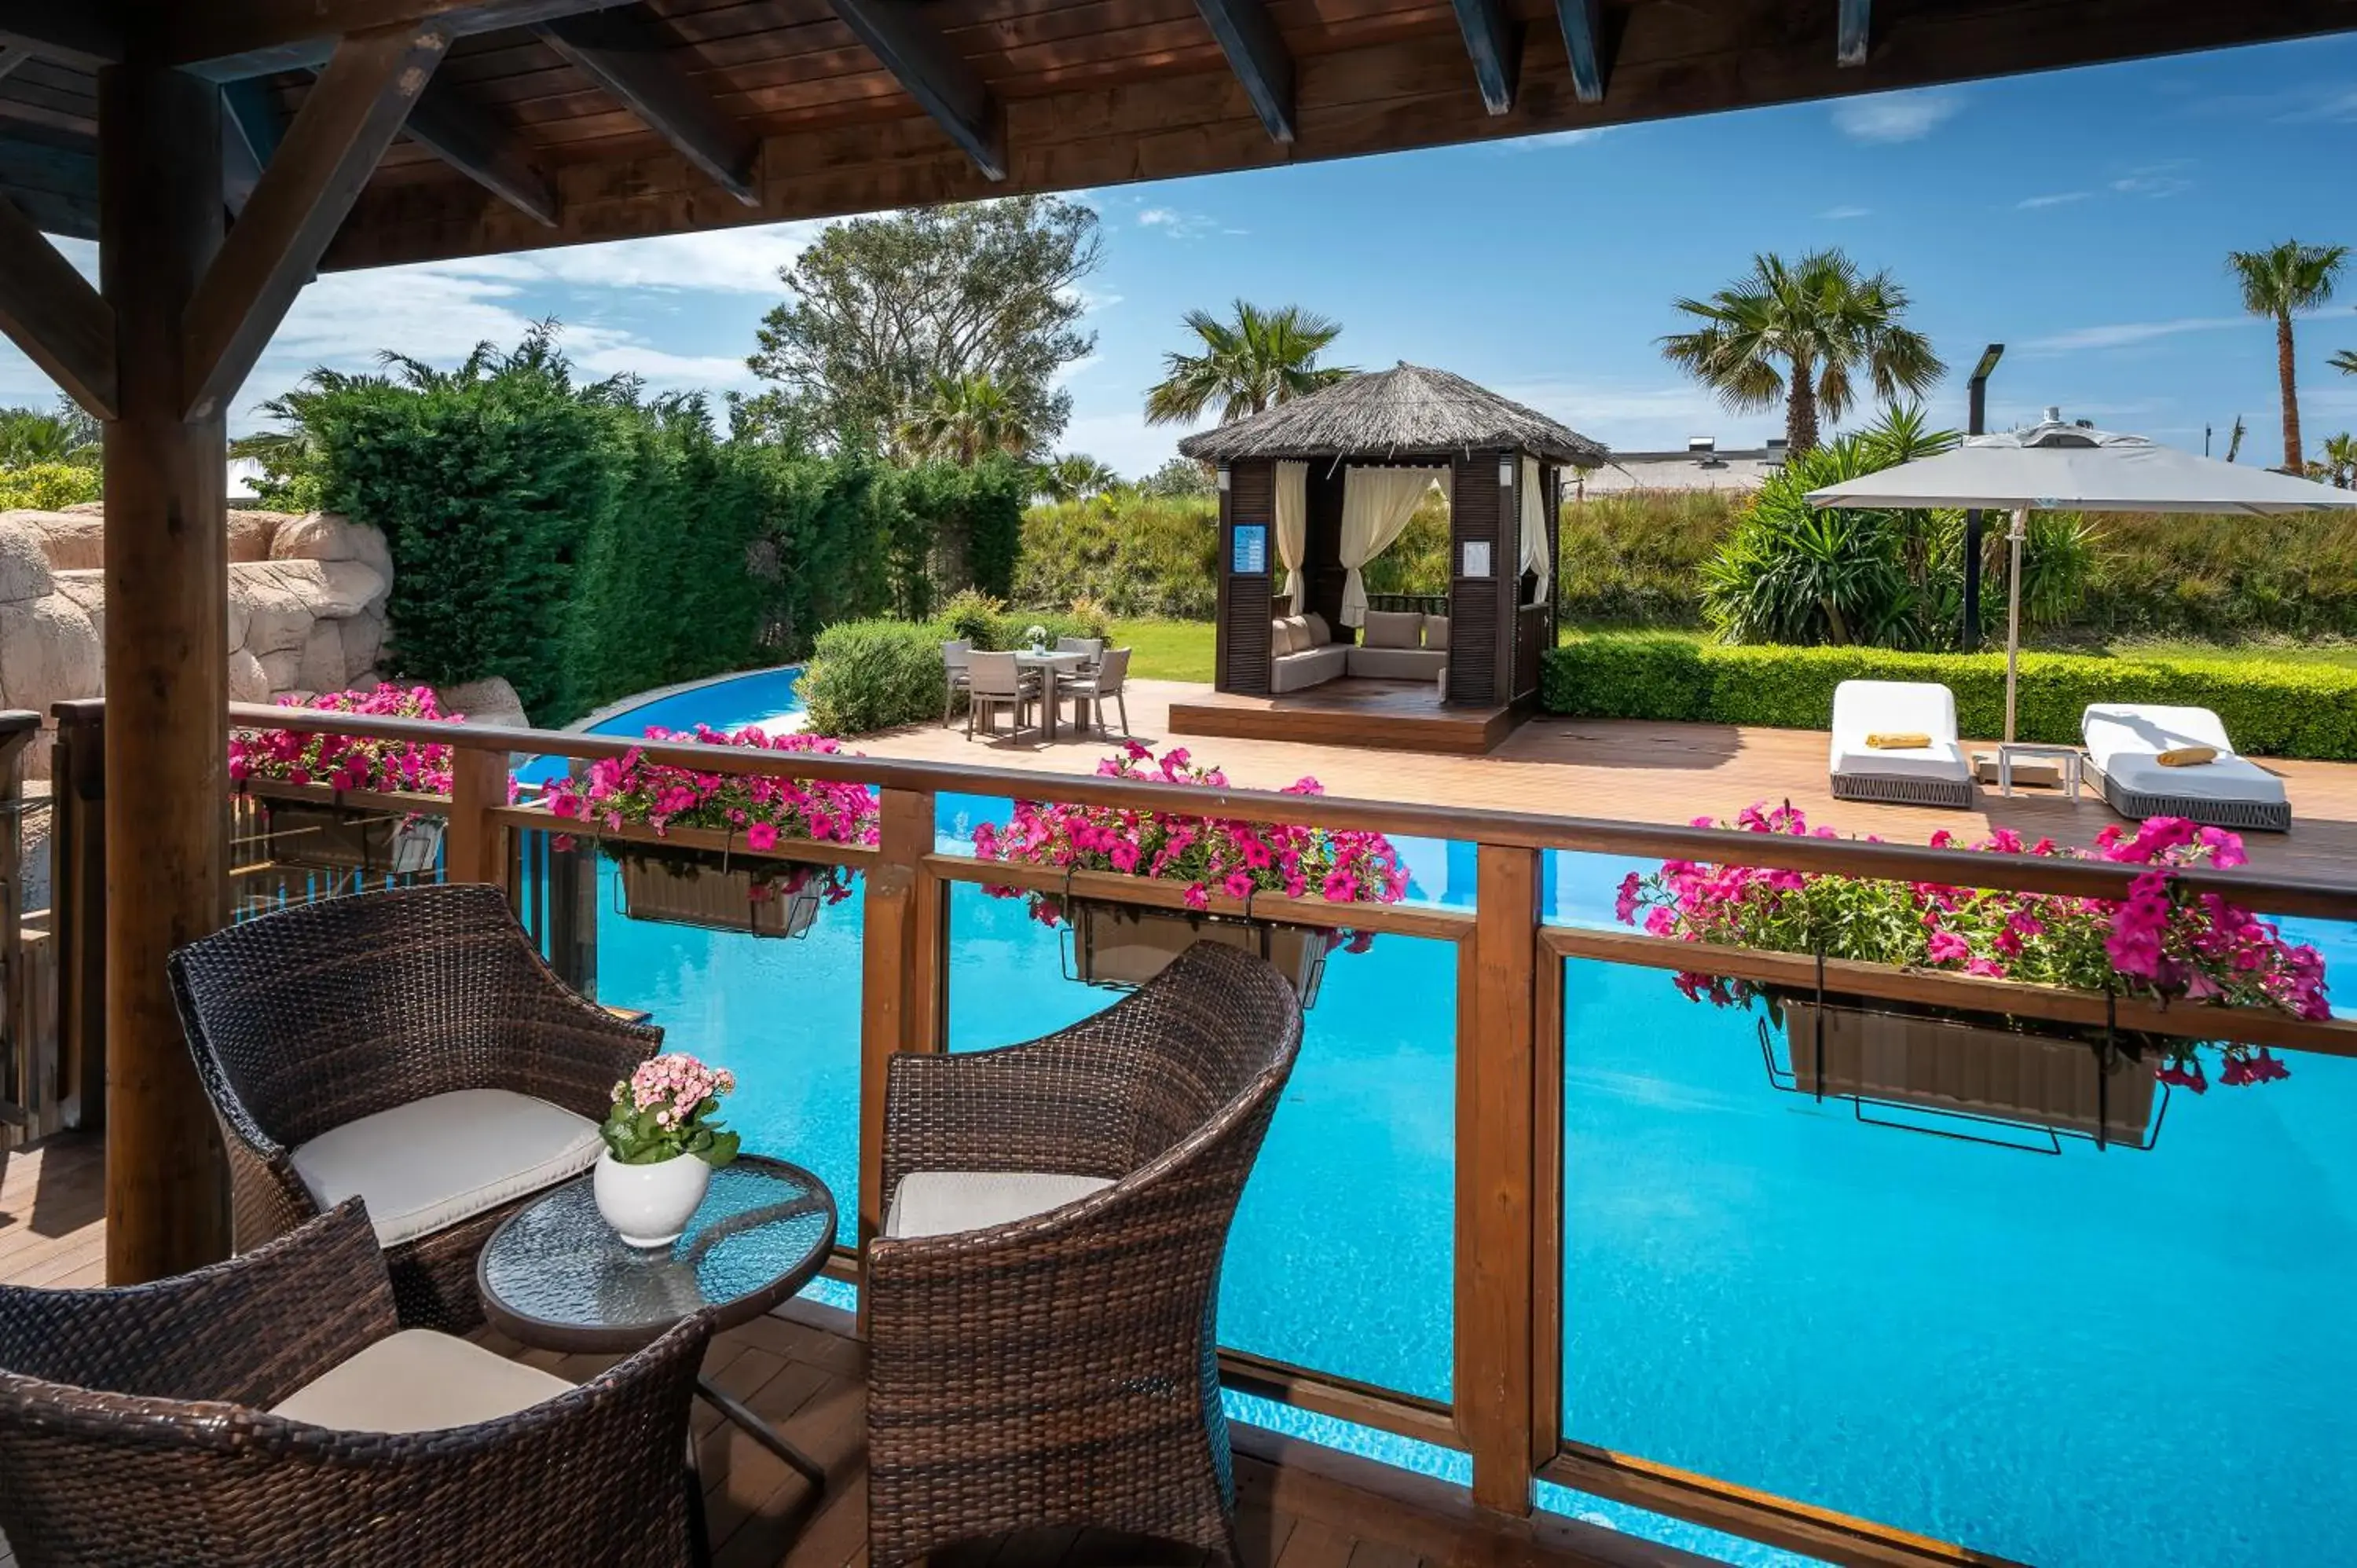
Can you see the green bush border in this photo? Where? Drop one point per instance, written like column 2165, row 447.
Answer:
column 2271, row 710
column 868, row 675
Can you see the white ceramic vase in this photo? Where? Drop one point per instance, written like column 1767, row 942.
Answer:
column 649, row 1205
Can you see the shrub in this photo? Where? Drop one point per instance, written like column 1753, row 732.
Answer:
column 868, row 675
column 1137, row 554
column 2274, row 710
column 49, row 487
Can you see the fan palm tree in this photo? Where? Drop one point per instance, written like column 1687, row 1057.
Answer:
column 2279, row 282
column 2341, row 460
column 1803, row 331
column 1260, row 358
column 2345, row 362
column 965, row 419
column 1075, row 477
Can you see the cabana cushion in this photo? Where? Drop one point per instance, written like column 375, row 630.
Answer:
column 941, row 1203
column 1394, row 628
column 1321, row 634
column 1280, row 639
column 426, row 1165
column 1399, row 663
column 2125, row 740
column 1436, row 633
column 1938, row 774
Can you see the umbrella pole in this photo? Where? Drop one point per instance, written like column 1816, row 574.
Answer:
column 2014, row 538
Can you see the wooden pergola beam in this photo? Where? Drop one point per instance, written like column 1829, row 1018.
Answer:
column 456, row 130
column 51, row 312
column 1256, row 53
column 1583, row 40
column 626, row 52
column 85, row 36
column 1855, row 32
column 1495, row 46
column 351, row 116
column 943, row 84
column 252, row 128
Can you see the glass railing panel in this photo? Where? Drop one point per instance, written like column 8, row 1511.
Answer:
column 2080, row 1357
column 1340, row 1259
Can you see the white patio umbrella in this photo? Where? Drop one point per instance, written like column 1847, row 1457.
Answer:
column 2055, row 467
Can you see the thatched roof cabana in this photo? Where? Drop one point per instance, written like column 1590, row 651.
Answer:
column 1410, row 410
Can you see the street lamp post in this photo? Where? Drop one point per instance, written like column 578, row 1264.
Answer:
column 1976, row 423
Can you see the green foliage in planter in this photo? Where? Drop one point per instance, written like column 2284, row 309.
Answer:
column 2271, row 710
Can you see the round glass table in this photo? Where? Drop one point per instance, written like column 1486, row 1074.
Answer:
column 556, row 1276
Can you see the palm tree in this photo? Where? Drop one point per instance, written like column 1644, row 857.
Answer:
column 2341, row 460
column 1075, row 477
column 1260, row 358
column 1803, row 331
column 65, row 434
column 965, row 419
column 2279, row 282
column 2345, row 362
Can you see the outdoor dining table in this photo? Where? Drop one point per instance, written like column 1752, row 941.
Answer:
column 1049, row 666
column 554, row 1276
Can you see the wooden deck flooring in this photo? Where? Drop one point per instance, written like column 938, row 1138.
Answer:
column 1301, row 1507
column 1387, row 715
column 1641, row 771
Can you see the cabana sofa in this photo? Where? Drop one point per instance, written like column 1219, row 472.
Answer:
column 1399, row 645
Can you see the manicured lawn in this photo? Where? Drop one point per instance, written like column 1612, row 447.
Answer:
column 1167, row 649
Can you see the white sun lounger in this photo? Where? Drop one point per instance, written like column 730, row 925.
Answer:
column 1938, row 774
column 2124, row 741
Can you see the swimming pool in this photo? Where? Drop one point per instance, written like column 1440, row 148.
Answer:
column 2085, row 1360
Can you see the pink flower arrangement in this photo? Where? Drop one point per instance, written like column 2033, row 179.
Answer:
column 756, row 810
column 2156, row 942
column 670, row 1107
column 1209, row 854
column 349, row 762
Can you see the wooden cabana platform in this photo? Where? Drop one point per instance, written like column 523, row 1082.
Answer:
column 1386, row 716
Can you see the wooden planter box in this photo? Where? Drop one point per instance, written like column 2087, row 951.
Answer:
column 378, row 835
column 691, row 895
column 1968, row 1066
column 1118, row 946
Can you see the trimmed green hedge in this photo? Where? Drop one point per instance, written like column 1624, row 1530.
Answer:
column 868, row 675
column 2271, row 710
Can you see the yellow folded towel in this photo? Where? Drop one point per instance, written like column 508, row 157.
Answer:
column 2187, row 756
column 1897, row 740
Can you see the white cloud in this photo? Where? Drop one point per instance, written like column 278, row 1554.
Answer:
column 1643, row 418
column 1179, row 225
column 1157, row 217
column 2155, row 180
column 1896, row 116
column 2123, row 334
column 1843, row 214
column 724, row 261
column 2056, row 198
column 1547, row 139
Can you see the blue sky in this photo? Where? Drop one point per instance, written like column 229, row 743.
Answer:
column 2081, row 217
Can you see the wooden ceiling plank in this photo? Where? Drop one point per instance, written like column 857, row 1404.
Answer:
column 1495, row 46
column 1258, row 57
column 454, row 129
column 1583, row 40
column 1855, row 32
column 625, row 52
column 225, row 39
column 348, row 120
column 943, row 84
column 51, row 312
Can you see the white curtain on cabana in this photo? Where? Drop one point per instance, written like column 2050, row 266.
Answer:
column 1292, row 526
column 1376, row 505
column 1534, row 546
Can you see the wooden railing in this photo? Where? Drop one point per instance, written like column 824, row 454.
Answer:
column 1509, row 1197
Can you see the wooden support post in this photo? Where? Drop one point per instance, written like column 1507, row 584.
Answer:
column 1496, row 1095
column 475, row 849
column 166, row 667
column 26, row 1086
column 902, row 976
column 78, row 908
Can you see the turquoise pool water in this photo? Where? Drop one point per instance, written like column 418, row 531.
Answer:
column 2087, row 1361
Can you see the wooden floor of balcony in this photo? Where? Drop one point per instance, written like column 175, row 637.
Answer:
column 1300, row 1506
column 1632, row 770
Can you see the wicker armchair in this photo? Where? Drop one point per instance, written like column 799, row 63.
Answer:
column 304, row 1020
column 1063, row 1368
column 134, row 1428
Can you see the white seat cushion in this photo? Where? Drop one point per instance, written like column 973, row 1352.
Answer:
column 941, row 1203
column 2124, row 741
column 1897, row 707
column 418, row 1380
column 426, row 1165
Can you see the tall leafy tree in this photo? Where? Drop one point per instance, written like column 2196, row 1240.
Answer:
column 964, row 419
column 882, row 308
column 2279, row 282
column 1260, row 358
column 1804, row 332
